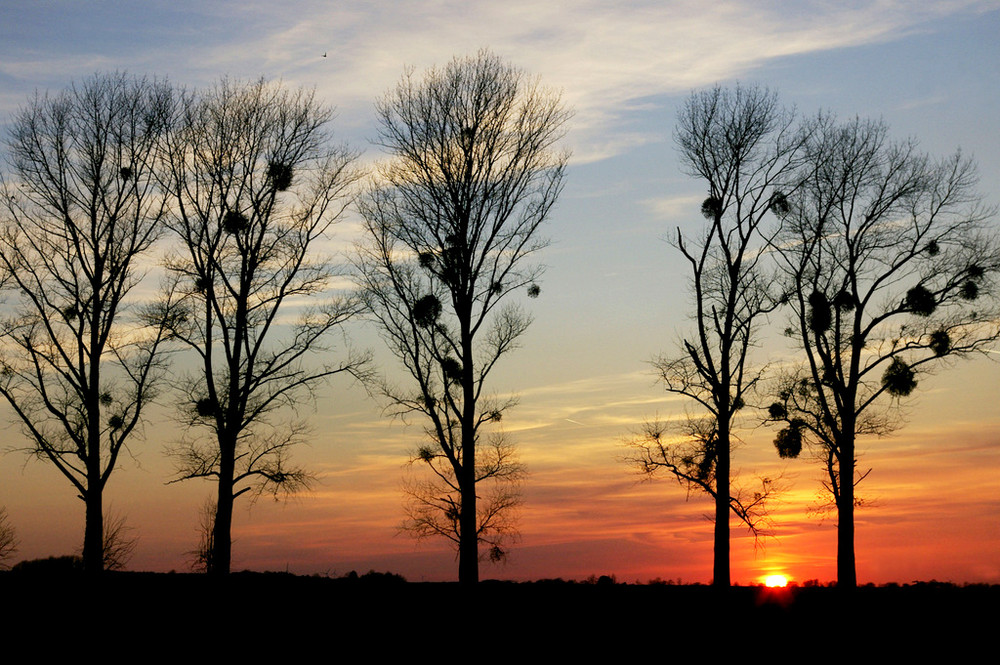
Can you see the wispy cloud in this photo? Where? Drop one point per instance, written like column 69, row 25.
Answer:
column 607, row 58
column 673, row 207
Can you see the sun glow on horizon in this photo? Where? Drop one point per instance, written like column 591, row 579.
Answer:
column 776, row 581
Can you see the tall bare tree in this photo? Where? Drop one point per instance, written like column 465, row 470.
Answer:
column 745, row 147
column 82, row 207
column 257, row 186
column 891, row 268
column 452, row 228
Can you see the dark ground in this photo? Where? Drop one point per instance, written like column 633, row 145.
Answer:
column 275, row 615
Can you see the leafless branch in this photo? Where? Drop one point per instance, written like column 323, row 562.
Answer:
column 8, row 539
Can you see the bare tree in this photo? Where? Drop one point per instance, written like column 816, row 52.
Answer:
column 890, row 267
column 434, row 506
column 8, row 538
column 119, row 543
column 201, row 557
column 258, row 186
column 452, row 226
column 83, row 206
column 688, row 451
column 745, row 147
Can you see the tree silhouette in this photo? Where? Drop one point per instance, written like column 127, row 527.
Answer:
column 890, row 269
column 745, row 147
column 82, row 206
column 119, row 543
column 434, row 506
column 257, row 187
column 451, row 226
column 201, row 557
column 8, row 538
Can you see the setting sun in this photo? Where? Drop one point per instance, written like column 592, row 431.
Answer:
column 776, row 580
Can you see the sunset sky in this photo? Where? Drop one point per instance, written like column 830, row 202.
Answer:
column 613, row 296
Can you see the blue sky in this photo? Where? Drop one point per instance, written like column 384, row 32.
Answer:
column 614, row 292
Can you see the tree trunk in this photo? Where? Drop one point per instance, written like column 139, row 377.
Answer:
column 93, row 535
column 847, row 577
column 468, row 545
column 720, row 569
column 222, row 543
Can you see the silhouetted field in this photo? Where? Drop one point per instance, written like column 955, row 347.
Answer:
column 262, row 611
